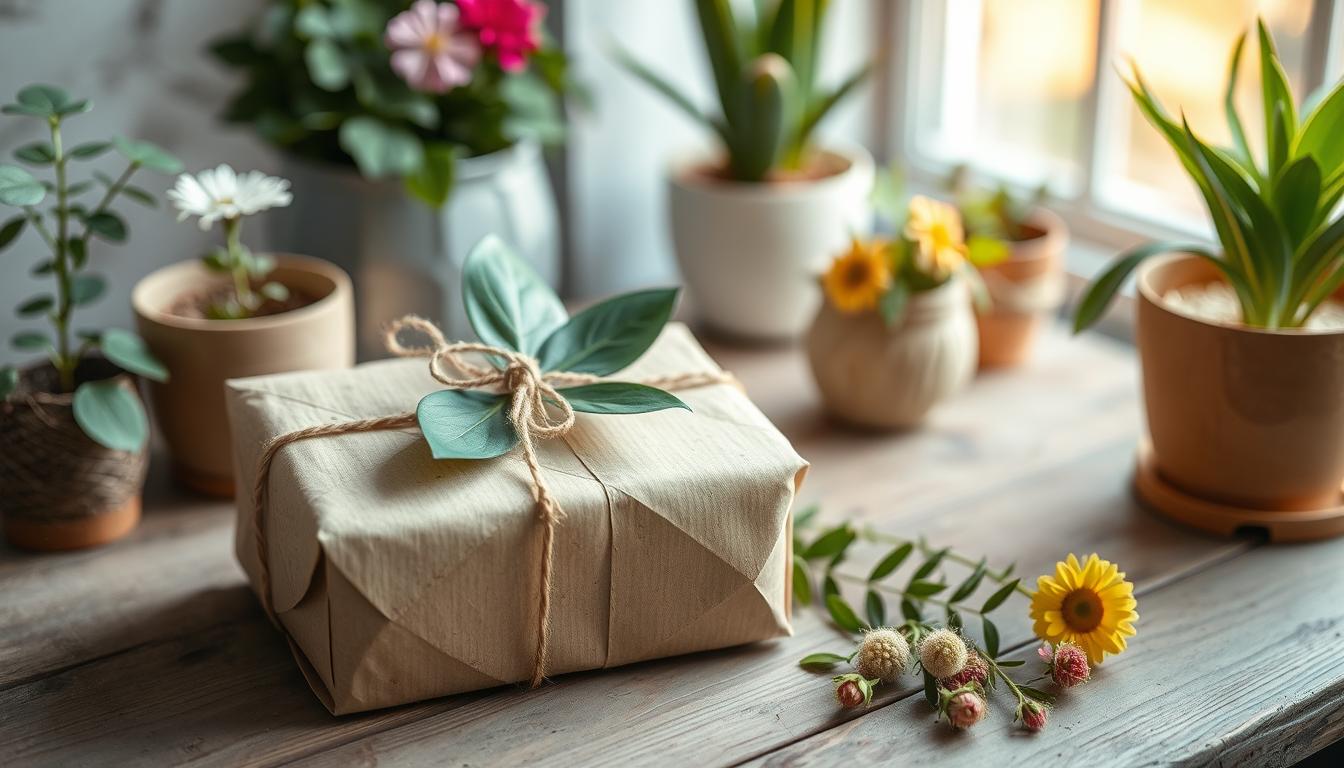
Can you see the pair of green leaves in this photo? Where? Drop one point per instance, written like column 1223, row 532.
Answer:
column 509, row 306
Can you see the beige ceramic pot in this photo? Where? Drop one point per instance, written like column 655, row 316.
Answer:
column 1245, row 417
column 1025, row 289
column 201, row 354
column 59, row 489
column 887, row 378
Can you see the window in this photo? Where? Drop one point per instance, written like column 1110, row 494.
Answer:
column 1026, row 91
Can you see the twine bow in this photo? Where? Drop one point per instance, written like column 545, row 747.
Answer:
column 530, row 391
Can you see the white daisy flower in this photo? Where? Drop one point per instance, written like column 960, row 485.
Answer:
column 223, row 194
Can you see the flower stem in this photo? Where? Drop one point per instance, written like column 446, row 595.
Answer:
column 64, row 361
column 902, row 593
column 242, row 285
column 878, row 537
column 1008, row 681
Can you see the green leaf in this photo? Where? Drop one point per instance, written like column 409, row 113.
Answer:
column 274, row 291
column 842, row 614
column 85, row 289
column 37, row 153
column 147, row 155
column 996, row 599
column 1103, row 289
column 11, row 230
column 822, row 660
column 1010, row 663
column 111, row 415
column 45, row 101
column 929, row 565
column 107, row 225
column 891, row 562
column 31, row 340
column 608, row 336
column 819, row 108
column 1278, row 98
column 1295, row 196
column 90, row 150
column 829, row 586
column 1037, row 694
column 1230, row 105
column 465, row 425
column 875, row 609
column 18, row 187
column 79, row 252
column 830, row 543
column 953, row 619
column 507, row 302
column 619, row 397
column 381, row 149
column 991, row 637
column 326, row 64
column 1319, row 137
column 910, row 611
column 314, row 22
column 922, row 589
column 969, row 586
column 9, row 381
column 985, row 251
column 140, row 196
column 36, row 306
column 128, row 352
column 802, row 586
column 891, row 306
column 662, row 86
column 930, row 690
column 433, row 183
column 804, row 518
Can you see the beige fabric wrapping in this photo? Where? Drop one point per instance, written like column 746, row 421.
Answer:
column 399, row 578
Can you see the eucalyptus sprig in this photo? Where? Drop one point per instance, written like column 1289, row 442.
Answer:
column 1278, row 219
column 108, row 413
column 510, row 307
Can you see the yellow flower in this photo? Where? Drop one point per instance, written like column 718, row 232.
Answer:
column 858, row 277
column 936, row 229
column 1090, row 605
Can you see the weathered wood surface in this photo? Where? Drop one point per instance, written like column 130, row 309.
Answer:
column 152, row 651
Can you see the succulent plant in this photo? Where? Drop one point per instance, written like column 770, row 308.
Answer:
column 765, row 72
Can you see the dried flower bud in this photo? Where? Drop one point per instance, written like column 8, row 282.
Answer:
column 853, row 690
column 965, row 709
column 1067, row 664
column 942, row 653
column 883, row 654
column 1033, row 715
column 975, row 671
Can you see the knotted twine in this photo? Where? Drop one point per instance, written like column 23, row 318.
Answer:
column 530, row 392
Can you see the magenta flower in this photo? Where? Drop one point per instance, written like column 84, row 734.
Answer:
column 508, row 27
column 430, row 50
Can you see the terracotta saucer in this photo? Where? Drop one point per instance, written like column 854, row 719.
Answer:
column 1225, row 520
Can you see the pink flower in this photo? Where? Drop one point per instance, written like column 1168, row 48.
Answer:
column 430, row 50
column 1033, row 715
column 975, row 671
column 1067, row 664
column 508, row 27
column 965, row 709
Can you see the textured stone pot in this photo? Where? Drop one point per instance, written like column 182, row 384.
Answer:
column 1242, row 416
column 201, row 354
column 407, row 257
column 875, row 376
column 750, row 252
column 1025, row 289
column 59, row 489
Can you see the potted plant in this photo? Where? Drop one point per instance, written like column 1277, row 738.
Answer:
column 1242, row 346
column 410, row 131
column 895, row 333
column 1018, row 247
column 752, row 224
column 73, row 429
column 234, row 313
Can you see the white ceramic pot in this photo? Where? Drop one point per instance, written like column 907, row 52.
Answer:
column 750, row 252
column 406, row 257
column 889, row 377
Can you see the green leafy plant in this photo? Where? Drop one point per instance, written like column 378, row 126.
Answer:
column 994, row 215
column 82, row 212
column 318, row 84
column 765, row 70
column 1277, row 220
column 511, row 307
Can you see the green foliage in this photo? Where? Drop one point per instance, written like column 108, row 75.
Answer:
column 1277, row 219
column 994, row 214
column 510, row 307
column 764, row 68
column 108, row 413
column 317, row 83
column 245, row 270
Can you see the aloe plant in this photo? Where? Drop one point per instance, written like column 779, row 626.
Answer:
column 765, row 71
column 1278, row 221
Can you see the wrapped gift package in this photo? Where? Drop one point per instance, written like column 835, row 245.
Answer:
column 397, row 577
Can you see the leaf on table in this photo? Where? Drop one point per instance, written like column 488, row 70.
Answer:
column 842, row 614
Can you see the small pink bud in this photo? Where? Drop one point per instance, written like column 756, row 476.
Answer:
column 965, row 709
column 1033, row 715
column 975, row 671
column 849, row 695
column 1069, row 666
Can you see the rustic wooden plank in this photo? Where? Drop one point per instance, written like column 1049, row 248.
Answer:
column 1236, row 665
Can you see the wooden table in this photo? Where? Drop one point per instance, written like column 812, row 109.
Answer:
column 153, row 650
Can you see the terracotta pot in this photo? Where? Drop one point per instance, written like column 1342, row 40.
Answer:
column 750, row 252
column 1026, row 289
column 201, row 354
column 1242, row 416
column 59, row 489
column 875, row 376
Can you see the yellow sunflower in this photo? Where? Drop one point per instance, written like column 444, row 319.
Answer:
column 1090, row 605
column 940, row 241
column 858, row 277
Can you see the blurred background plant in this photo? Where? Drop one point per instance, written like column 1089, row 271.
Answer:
column 319, row 83
column 993, row 210
column 765, row 68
